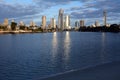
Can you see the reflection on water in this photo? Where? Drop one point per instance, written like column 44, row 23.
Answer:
column 64, row 42
column 29, row 56
column 103, row 47
column 67, row 45
column 54, row 44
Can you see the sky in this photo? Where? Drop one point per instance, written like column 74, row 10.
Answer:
column 33, row 10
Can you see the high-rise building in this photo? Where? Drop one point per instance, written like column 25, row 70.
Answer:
column 67, row 22
column 6, row 22
column 53, row 23
column 43, row 22
column 82, row 22
column 97, row 24
column 105, row 18
column 76, row 24
column 61, row 19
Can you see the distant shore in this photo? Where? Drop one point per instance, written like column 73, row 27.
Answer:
column 17, row 32
column 113, row 28
column 24, row 29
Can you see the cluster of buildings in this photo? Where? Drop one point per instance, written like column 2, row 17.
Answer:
column 63, row 23
column 96, row 24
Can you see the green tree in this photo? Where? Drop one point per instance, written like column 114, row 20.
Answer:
column 22, row 27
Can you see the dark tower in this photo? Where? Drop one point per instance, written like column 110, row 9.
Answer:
column 105, row 18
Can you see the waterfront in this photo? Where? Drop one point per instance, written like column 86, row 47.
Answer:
column 36, row 55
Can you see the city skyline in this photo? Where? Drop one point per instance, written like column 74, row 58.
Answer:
column 33, row 10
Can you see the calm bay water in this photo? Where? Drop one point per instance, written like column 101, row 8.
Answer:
column 32, row 56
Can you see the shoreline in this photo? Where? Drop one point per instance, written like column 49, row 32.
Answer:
column 18, row 32
column 24, row 32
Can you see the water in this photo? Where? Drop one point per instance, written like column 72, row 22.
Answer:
column 32, row 56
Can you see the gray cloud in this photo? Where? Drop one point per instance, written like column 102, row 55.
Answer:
column 91, row 9
column 95, row 10
column 12, row 11
column 58, row 2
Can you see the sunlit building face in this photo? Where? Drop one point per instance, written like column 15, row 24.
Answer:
column 43, row 22
column 6, row 22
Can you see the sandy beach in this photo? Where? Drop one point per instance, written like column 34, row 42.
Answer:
column 107, row 71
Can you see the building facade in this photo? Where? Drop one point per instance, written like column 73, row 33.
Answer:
column 77, row 24
column 6, row 22
column 61, row 19
column 67, row 22
column 82, row 23
column 43, row 22
column 97, row 24
column 53, row 23
column 105, row 18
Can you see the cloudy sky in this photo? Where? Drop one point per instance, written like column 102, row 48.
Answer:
column 32, row 10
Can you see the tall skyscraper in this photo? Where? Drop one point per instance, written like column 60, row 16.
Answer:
column 76, row 24
column 53, row 23
column 67, row 22
column 60, row 19
column 105, row 18
column 6, row 22
column 43, row 22
column 82, row 22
